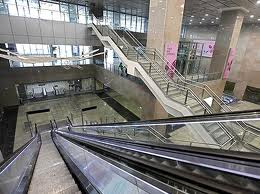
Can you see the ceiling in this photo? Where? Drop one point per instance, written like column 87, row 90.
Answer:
column 194, row 10
column 199, row 9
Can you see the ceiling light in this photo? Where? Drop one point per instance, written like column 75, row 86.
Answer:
column 203, row 19
column 252, row 16
column 192, row 16
column 190, row 23
column 200, row 22
column 212, row 22
column 258, row 2
column 191, row 20
column 258, row 19
column 206, row 14
column 217, row 18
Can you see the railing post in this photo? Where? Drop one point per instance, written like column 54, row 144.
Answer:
column 167, row 90
column 137, row 57
column 150, row 69
column 205, row 111
column 243, row 136
column 153, row 55
column 203, row 91
column 186, row 97
column 36, row 129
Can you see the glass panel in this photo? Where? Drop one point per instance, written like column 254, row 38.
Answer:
column 92, row 167
column 122, row 20
column 138, row 26
column 12, row 7
column 73, row 15
column 133, row 24
column 82, row 14
column 116, row 19
column 143, row 23
column 64, row 12
column 11, row 175
column 110, row 18
column 128, row 21
column 3, row 8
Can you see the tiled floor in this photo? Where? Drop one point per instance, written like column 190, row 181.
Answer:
column 61, row 108
column 245, row 105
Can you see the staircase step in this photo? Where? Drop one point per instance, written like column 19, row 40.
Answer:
column 212, row 127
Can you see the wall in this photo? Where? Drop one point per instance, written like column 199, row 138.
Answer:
column 12, row 76
column 133, row 91
column 23, row 30
column 246, row 68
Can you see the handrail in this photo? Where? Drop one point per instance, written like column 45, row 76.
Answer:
column 206, row 88
column 179, row 86
column 19, row 180
column 185, row 81
column 205, row 107
column 252, row 115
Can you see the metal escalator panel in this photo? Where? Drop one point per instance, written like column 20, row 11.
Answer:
column 16, row 171
column 197, row 131
column 199, row 168
column 104, row 176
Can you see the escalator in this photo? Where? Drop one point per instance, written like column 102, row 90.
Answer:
column 131, row 157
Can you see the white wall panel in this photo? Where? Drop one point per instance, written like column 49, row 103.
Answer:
column 18, row 26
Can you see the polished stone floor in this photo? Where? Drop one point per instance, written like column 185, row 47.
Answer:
column 61, row 108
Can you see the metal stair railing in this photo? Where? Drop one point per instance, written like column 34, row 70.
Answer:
column 169, row 82
column 206, row 88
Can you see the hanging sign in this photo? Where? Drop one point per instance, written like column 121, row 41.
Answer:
column 171, row 50
column 230, row 61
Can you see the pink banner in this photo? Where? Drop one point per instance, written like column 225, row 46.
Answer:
column 170, row 54
column 206, row 46
column 230, row 61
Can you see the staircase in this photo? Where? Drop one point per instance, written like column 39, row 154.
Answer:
column 51, row 174
column 178, row 96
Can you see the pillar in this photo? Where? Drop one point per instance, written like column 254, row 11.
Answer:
column 240, row 89
column 227, row 38
column 165, row 21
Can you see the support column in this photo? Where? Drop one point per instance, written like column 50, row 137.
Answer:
column 227, row 38
column 165, row 21
column 240, row 89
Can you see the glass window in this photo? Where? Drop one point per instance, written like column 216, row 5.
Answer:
column 138, row 24
column 122, row 20
column 82, row 14
column 33, row 3
column 3, row 9
column 128, row 21
column 89, row 18
column 12, row 9
column 64, row 9
column 73, row 15
column 110, row 18
column 143, row 23
column 116, row 19
column 133, row 24
column 19, row 48
column 68, row 51
column 27, row 49
column 23, row 11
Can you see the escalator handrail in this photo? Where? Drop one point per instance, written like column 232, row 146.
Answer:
column 23, row 177
column 251, row 115
column 198, row 151
column 8, row 161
